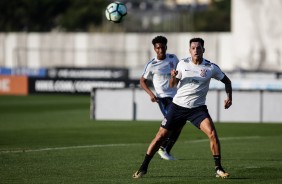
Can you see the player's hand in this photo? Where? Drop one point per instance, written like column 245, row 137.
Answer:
column 173, row 73
column 227, row 103
column 154, row 99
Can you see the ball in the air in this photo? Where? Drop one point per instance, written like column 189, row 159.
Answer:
column 115, row 12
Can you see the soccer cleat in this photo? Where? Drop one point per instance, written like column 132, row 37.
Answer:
column 164, row 155
column 220, row 173
column 138, row 174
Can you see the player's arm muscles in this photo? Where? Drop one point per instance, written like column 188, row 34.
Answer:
column 228, row 86
column 228, row 89
column 143, row 84
column 173, row 80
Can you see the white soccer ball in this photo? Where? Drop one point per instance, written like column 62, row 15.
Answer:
column 115, row 12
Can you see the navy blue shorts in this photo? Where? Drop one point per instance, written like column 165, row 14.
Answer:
column 164, row 104
column 177, row 116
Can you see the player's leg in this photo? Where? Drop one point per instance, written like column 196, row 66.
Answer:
column 168, row 143
column 165, row 148
column 172, row 138
column 162, row 150
column 174, row 120
column 207, row 126
column 152, row 149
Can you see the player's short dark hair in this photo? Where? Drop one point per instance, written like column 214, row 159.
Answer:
column 202, row 42
column 159, row 39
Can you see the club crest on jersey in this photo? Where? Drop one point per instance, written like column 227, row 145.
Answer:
column 203, row 72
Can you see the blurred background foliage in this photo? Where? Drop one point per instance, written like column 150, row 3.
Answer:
column 88, row 16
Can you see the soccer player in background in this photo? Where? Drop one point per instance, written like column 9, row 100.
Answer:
column 193, row 75
column 158, row 70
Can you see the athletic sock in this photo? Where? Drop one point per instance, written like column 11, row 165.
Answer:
column 171, row 140
column 145, row 163
column 217, row 161
column 169, row 146
column 164, row 145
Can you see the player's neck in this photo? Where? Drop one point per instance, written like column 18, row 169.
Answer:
column 197, row 61
column 161, row 58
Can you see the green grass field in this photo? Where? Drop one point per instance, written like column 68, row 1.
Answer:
column 50, row 139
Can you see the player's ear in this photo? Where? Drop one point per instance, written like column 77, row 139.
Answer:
column 204, row 50
column 155, row 47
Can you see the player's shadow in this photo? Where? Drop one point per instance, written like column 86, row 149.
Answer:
column 174, row 176
column 199, row 177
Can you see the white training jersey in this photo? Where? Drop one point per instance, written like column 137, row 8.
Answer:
column 159, row 72
column 194, row 82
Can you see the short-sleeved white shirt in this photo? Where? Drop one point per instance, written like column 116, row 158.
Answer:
column 194, row 82
column 159, row 72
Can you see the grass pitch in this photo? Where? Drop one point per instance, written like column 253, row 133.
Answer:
column 50, row 139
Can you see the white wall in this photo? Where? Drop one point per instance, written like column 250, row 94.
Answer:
column 248, row 106
column 256, row 34
column 255, row 42
column 245, row 107
column 113, row 104
column 131, row 50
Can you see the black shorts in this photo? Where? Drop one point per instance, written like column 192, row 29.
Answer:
column 177, row 116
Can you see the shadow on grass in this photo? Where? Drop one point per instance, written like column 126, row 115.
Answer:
column 237, row 178
column 195, row 177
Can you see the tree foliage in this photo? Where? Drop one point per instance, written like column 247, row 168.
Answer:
column 215, row 18
column 88, row 15
column 47, row 15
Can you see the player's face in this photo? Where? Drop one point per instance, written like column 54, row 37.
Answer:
column 196, row 50
column 160, row 49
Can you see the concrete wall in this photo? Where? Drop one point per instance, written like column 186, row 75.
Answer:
column 256, row 34
column 129, row 104
column 130, row 50
column 254, row 43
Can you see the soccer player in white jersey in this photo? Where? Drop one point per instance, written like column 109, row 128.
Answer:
column 158, row 70
column 193, row 76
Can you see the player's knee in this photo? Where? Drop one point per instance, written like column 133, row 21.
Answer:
column 212, row 135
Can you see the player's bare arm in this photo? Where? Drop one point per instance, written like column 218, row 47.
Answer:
column 173, row 80
column 228, row 89
column 143, row 84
